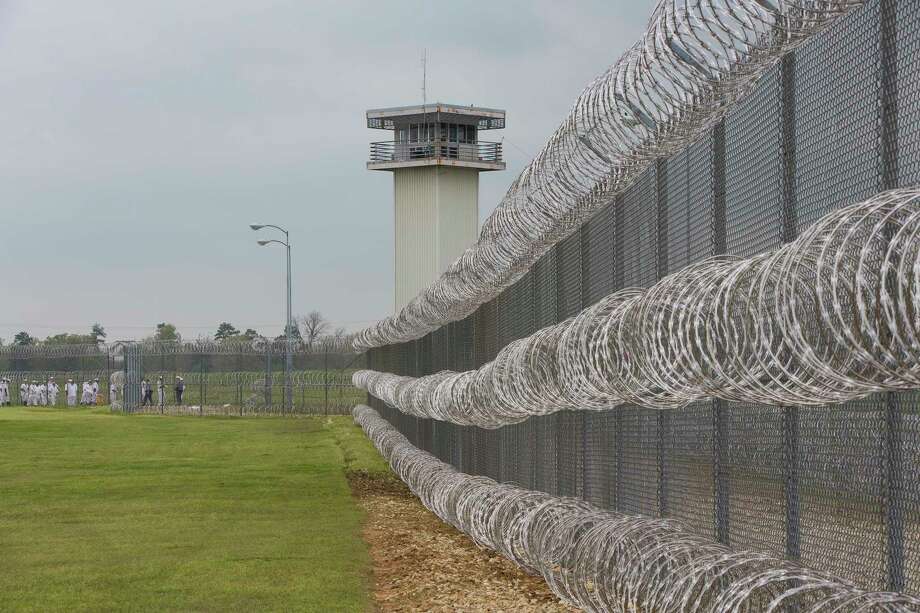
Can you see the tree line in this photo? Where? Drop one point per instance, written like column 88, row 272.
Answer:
column 307, row 328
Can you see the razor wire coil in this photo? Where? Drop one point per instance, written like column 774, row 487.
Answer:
column 829, row 317
column 601, row 560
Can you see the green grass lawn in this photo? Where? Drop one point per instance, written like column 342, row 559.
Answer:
column 101, row 511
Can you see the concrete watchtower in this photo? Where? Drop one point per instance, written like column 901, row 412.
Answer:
column 436, row 157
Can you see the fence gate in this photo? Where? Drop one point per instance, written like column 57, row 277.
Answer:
column 133, row 375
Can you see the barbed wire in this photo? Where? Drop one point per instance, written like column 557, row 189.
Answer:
column 695, row 60
column 310, row 378
column 258, row 346
column 600, row 560
column 829, row 317
column 43, row 351
column 58, row 375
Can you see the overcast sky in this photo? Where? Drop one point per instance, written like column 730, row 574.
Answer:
column 138, row 139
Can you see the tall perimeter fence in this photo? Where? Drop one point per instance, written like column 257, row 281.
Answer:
column 835, row 488
column 219, row 378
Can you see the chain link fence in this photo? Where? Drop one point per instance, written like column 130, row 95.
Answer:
column 23, row 365
column 218, row 378
column 833, row 488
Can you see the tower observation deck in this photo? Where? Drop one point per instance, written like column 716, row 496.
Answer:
column 435, row 157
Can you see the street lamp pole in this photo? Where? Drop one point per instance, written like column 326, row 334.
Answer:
column 288, row 327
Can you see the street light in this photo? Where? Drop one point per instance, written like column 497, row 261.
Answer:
column 288, row 360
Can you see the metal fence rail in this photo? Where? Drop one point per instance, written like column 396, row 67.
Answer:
column 836, row 489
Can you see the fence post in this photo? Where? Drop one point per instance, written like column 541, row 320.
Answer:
column 201, row 385
column 663, row 418
column 719, row 410
column 788, row 230
column 889, row 149
column 720, row 475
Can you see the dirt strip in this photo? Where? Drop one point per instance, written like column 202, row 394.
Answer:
column 423, row 564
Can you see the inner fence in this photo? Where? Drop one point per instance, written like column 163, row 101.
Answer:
column 835, row 487
column 224, row 378
column 246, row 378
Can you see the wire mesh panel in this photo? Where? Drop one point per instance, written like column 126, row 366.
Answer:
column 906, row 25
column 520, row 307
column 569, row 270
column 638, row 462
column 636, row 235
column 504, row 314
column 569, row 450
column 545, row 279
column 753, row 170
column 440, row 349
column 134, row 367
column 598, row 249
column 687, row 446
column 486, row 335
column 461, row 337
column 908, row 454
column 836, row 117
column 599, row 458
column 841, row 481
column 690, row 193
column 545, row 451
column 755, row 482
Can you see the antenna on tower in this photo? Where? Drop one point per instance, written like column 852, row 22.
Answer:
column 425, row 91
column 424, row 76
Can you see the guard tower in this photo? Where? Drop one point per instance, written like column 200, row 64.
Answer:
column 436, row 157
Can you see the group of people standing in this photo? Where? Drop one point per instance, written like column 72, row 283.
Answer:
column 147, row 391
column 37, row 393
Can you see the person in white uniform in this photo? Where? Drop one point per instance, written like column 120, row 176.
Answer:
column 113, row 395
column 52, row 392
column 4, row 392
column 23, row 393
column 42, row 394
column 70, row 390
column 161, row 392
column 95, row 391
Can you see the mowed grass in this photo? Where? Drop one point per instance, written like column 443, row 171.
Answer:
column 105, row 512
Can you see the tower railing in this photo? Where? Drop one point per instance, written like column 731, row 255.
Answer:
column 395, row 151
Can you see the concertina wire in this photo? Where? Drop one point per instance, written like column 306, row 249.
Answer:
column 601, row 560
column 829, row 317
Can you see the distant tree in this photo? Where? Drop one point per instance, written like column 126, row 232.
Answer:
column 23, row 338
column 224, row 331
column 166, row 332
column 312, row 326
column 98, row 333
column 295, row 333
column 246, row 337
column 70, row 339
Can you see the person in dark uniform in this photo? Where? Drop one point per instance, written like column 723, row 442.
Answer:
column 180, row 388
column 147, row 392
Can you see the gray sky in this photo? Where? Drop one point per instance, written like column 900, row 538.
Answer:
column 139, row 138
